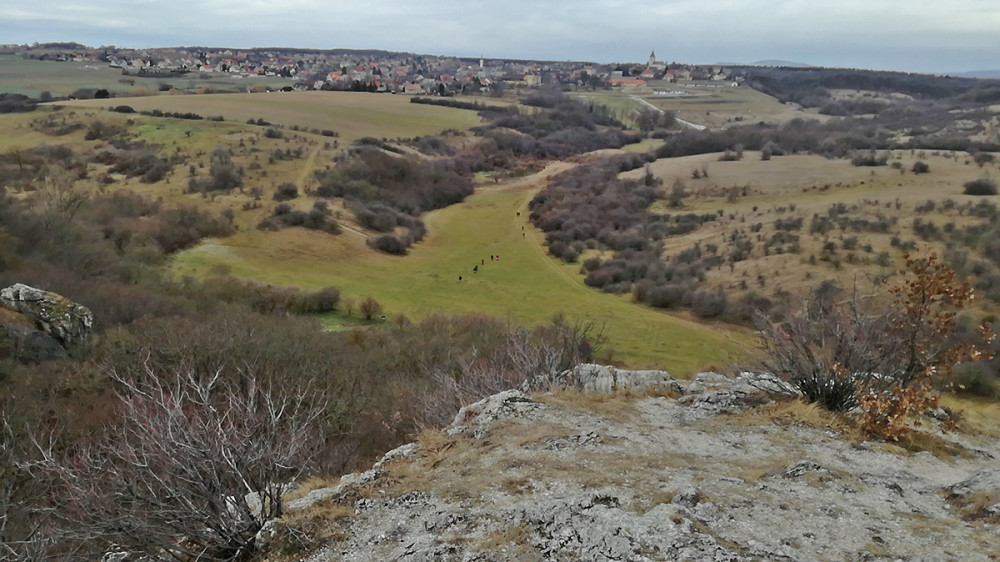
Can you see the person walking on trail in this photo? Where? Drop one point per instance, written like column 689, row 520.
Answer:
column 483, row 261
column 491, row 257
column 459, row 277
column 475, row 269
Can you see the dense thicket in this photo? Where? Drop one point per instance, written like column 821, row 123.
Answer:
column 17, row 103
column 590, row 207
column 409, row 185
column 807, row 86
column 560, row 127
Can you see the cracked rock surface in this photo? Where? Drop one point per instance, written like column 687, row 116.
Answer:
column 590, row 476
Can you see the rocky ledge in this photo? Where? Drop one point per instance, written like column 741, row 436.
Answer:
column 37, row 325
column 634, row 465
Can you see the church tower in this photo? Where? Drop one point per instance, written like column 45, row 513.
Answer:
column 652, row 58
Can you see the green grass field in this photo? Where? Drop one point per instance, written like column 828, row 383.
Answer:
column 525, row 285
column 32, row 77
column 352, row 114
column 715, row 106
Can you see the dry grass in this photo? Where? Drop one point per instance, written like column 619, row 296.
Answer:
column 510, row 544
column 785, row 412
column 304, row 531
column 648, row 501
column 979, row 416
column 974, row 507
column 618, row 406
column 917, row 441
column 308, row 485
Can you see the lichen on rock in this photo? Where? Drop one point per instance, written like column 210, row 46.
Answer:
column 66, row 321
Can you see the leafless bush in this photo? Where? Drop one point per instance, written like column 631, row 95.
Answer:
column 193, row 471
column 826, row 349
column 531, row 359
column 884, row 356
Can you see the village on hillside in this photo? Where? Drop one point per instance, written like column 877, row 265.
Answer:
column 382, row 71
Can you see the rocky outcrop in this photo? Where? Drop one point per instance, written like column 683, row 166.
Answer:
column 604, row 379
column 65, row 321
column 27, row 344
column 574, row 476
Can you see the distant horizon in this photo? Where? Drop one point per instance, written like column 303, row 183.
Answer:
column 924, row 37
column 763, row 62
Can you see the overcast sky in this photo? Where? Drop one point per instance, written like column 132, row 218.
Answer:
column 944, row 36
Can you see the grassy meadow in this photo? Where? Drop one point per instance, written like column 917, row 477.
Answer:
column 714, row 105
column 351, row 114
column 525, row 285
column 32, row 77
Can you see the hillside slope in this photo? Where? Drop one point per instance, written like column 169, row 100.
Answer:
column 717, row 473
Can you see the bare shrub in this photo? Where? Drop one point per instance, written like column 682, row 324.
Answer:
column 370, row 308
column 981, row 186
column 194, row 469
column 286, row 192
column 390, row 244
column 845, row 353
column 529, row 359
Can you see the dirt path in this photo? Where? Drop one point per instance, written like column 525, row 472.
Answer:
column 307, row 169
column 531, row 185
column 688, row 124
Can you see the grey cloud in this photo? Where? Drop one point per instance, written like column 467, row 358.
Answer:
column 917, row 35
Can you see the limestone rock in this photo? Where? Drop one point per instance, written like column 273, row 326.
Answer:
column 657, row 478
column 28, row 345
column 982, row 481
column 66, row 321
column 605, row 380
column 478, row 417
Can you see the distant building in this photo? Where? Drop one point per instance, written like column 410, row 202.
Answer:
column 655, row 64
column 626, row 82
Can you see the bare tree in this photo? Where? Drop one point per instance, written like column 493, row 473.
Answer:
column 193, row 471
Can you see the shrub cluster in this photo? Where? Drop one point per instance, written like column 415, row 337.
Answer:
column 981, row 186
column 317, row 218
column 406, row 184
column 846, row 353
column 17, row 103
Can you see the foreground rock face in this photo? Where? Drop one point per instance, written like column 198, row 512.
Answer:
column 62, row 319
column 586, row 476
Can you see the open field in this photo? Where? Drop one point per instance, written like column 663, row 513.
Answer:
column 32, row 77
column 712, row 104
column 717, row 105
column 751, row 195
column 352, row 114
column 525, row 286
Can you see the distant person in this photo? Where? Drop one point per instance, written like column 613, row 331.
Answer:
column 484, row 262
column 459, row 277
column 475, row 269
column 519, row 213
column 491, row 257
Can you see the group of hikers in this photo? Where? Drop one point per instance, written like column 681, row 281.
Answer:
column 493, row 257
column 475, row 269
